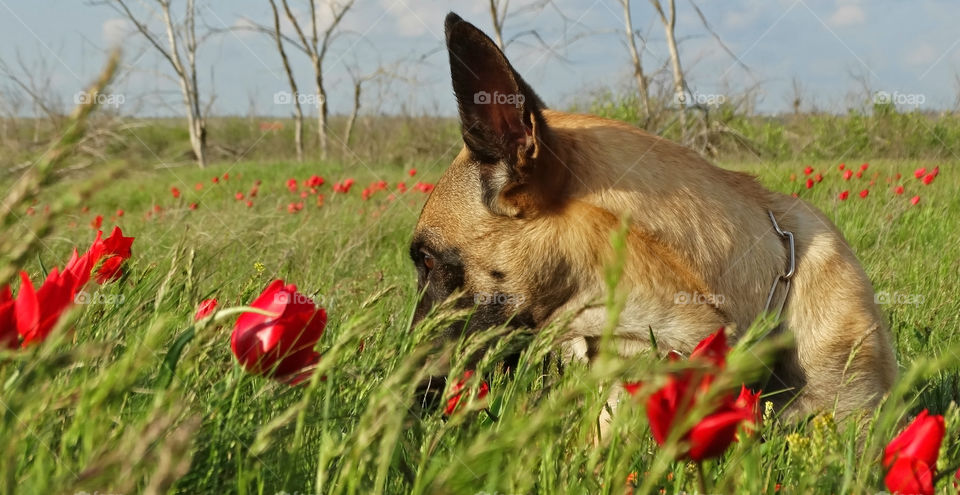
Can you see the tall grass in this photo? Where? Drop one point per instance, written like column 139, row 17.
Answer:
column 129, row 395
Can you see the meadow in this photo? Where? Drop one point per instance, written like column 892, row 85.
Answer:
column 129, row 395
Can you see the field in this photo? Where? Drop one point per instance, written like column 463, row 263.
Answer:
column 131, row 396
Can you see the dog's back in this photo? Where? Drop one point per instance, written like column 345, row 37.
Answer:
column 525, row 211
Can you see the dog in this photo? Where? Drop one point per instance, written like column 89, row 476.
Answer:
column 526, row 209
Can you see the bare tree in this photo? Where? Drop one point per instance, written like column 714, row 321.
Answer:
column 796, row 96
column 35, row 80
column 316, row 47
column 679, row 85
column 636, row 55
column 956, row 99
column 294, row 91
column 500, row 12
column 180, row 51
column 10, row 104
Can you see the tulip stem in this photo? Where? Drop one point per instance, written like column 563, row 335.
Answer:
column 701, row 479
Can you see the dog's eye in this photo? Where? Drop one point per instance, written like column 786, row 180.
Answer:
column 428, row 260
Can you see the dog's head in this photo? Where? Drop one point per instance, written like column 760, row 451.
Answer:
column 490, row 229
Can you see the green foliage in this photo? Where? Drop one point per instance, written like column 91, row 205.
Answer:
column 96, row 408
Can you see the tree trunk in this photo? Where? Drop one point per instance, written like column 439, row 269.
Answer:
column 357, row 86
column 321, row 115
column 198, row 137
column 679, row 86
column 298, row 132
column 297, row 111
column 497, row 23
column 635, row 54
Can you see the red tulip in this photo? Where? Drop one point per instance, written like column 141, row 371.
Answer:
column 249, row 204
column 119, row 213
column 936, row 171
column 808, row 170
column 956, row 478
column 898, row 176
column 456, row 392
column 927, row 179
column 909, row 476
column 898, row 190
column 864, row 193
column 292, row 185
column 198, row 186
column 920, row 440
column 193, row 206
column 713, row 434
column 205, row 309
column 215, row 180
column 859, row 173
column 38, row 311
column 402, row 187
column 918, row 173
column 423, row 187
column 112, row 251
column 314, row 181
column 713, row 348
column 750, row 400
column 97, row 222
column 226, row 176
column 412, row 172
column 842, row 166
column 914, row 200
column 818, row 178
column 280, row 345
column 864, row 166
column 844, row 195
column 847, row 174
column 809, row 183
column 8, row 320
column 175, row 192
column 366, row 193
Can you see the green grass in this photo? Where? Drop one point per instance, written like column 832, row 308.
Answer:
column 90, row 409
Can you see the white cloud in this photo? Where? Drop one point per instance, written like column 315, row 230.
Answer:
column 847, row 15
column 114, row 31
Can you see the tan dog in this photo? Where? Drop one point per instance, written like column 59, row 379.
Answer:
column 521, row 222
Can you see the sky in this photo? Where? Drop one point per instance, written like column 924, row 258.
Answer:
column 907, row 49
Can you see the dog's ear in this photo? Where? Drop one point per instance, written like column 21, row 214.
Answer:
column 501, row 122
